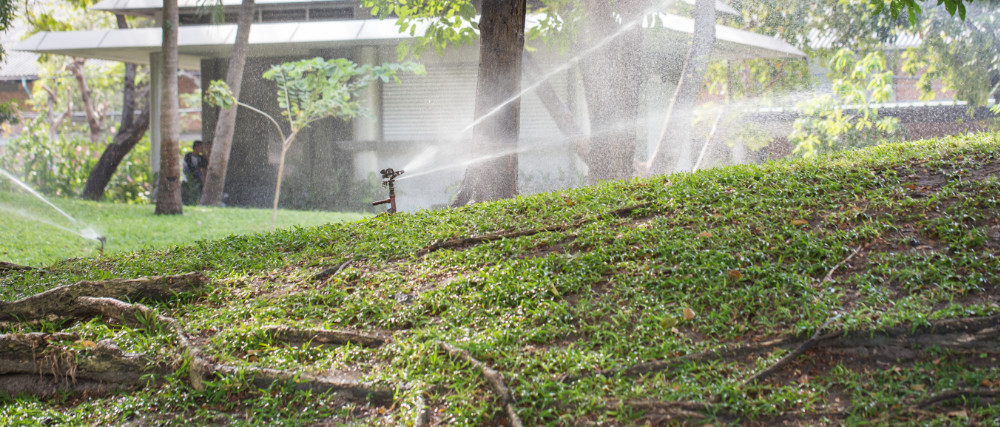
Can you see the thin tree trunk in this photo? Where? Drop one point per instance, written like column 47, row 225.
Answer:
column 677, row 126
column 95, row 116
column 218, row 159
column 168, row 196
column 496, row 134
column 612, row 80
column 285, row 145
column 130, row 132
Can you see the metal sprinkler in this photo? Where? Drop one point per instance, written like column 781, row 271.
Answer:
column 103, row 240
column 389, row 180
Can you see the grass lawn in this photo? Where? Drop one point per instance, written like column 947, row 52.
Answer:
column 857, row 288
column 32, row 233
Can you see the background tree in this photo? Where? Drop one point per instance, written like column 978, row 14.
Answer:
column 130, row 131
column 218, row 163
column 168, row 188
column 311, row 90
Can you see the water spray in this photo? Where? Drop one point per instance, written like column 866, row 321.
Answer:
column 389, row 180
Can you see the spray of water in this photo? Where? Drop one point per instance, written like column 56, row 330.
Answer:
column 626, row 27
column 88, row 233
column 35, row 193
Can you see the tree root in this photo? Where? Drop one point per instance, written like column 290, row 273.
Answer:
column 829, row 275
column 61, row 301
column 103, row 367
column 978, row 333
column 323, row 337
column 332, row 271
column 6, row 267
column 493, row 378
column 470, row 241
column 956, row 394
column 817, row 337
column 669, row 413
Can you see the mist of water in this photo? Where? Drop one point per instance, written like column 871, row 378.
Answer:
column 88, row 233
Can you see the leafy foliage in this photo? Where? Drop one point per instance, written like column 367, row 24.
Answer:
column 847, row 118
column 60, row 165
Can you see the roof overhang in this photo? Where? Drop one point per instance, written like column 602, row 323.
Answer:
column 299, row 38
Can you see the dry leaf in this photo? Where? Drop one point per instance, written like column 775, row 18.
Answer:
column 960, row 414
column 800, row 222
column 86, row 344
column 803, row 380
column 706, row 234
column 688, row 314
column 917, row 387
column 986, row 383
column 735, row 274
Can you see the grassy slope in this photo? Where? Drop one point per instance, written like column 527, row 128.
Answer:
column 32, row 233
column 742, row 249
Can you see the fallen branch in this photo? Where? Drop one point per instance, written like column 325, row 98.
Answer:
column 829, row 275
column 956, row 394
column 60, row 301
column 323, row 337
column 493, row 378
column 669, row 412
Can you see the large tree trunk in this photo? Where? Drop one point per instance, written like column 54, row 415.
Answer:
column 218, row 159
column 168, row 196
column 498, row 129
column 612, row 80
column 676, row 133
column 130, row 132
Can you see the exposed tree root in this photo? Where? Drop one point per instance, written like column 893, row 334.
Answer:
column 817, row 337
column 323, row 337
column 423, row 411
column 61, row 301
column 829, row 275
column 332, row 271
column 493, row 378
column 673, row 412
column 956, row 394
column 6, row 267
column 478, row 240
column 103, row 367
column 979, row 334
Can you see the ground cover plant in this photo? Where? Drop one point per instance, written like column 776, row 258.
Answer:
column 857, row 287
column 32, row 233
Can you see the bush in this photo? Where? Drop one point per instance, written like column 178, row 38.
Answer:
column 60, row 166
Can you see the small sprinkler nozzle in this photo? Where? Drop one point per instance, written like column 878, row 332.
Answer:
column 103, row 240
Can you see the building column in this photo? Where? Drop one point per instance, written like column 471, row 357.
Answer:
column 368, row 131
column 155, row 95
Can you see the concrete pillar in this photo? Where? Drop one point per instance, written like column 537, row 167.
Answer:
column 155, row 95
column 368, row 131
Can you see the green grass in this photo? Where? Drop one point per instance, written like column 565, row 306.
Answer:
column 33, row 233
column 724, row 257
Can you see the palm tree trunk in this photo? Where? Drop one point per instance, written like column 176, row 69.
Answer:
column 168, row 196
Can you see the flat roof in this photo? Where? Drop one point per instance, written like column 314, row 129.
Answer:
column 196, row 42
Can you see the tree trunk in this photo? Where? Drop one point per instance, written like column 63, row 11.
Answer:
column 677, row 126
column 612, row 80
column 498, row 129
column 95, row 116
column 168, row 196
column 218, row 159
column 130, row 132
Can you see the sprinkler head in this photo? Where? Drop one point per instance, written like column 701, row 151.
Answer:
column 389, row 175
column 103, row 240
